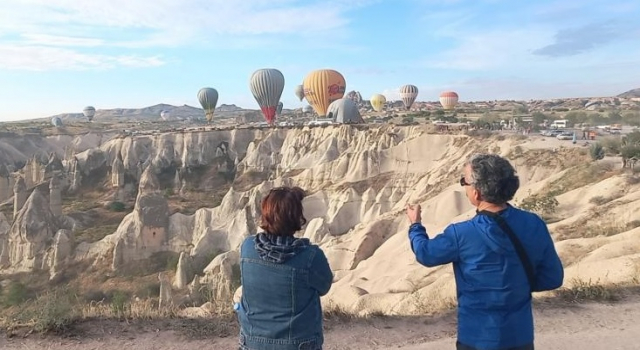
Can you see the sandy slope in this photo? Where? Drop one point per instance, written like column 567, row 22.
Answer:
column 589, row 326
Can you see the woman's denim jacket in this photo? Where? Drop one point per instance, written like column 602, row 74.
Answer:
column 280, row 305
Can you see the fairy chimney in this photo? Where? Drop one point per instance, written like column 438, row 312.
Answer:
column 19, row 196
column 55, row 196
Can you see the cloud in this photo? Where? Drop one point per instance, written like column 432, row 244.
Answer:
column 488, row 50
column 38, row 58
column 55, row 40
column 574, row 41
column 130, row 26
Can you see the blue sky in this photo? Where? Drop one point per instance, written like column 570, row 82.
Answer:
column 57, row 56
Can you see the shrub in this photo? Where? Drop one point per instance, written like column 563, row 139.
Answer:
column 596, row 151
column 15, row 294
column 117, row 206
column 541, row 204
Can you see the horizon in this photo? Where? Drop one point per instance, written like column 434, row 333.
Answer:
column 62, row 55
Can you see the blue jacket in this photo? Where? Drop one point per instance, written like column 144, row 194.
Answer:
column 494, row 299
column 280, row 306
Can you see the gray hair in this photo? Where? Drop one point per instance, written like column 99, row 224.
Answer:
column 494, row 177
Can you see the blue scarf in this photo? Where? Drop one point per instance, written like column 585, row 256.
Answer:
column 277, row 249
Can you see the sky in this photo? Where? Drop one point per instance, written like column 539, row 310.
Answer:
column 58, row 56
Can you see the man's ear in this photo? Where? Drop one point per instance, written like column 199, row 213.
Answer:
column 477, row 195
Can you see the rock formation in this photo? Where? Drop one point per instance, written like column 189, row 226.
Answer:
column 6, row 183
column 358, row 180
column 117, row 179
column 143, row 232
column 184, row 271
column 32, row 233
column 19, row 196
column 55, row 196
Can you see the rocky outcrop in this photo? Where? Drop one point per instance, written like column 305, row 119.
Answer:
column 184, row 271
column 144, row 231
column 19, row 196
column 6, row 183
column 55, row 196
column 5, row 227
column 61, row 253
column 32, row 233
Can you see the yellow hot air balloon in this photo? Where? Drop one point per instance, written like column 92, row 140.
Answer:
column 378, row 101
column 323, row 86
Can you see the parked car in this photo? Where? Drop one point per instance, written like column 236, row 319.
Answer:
column 565, row 136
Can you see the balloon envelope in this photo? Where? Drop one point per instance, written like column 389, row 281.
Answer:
column 56, row 121
column 89, row 112
column 208, row 98
column 300, row 92
column 307, row 109
column 266, row 86
column 279, row 109
column 448, row 99
column 323, row 86
column 408, row 94
column 344, row 110
column 165, row 115
column 378, row 101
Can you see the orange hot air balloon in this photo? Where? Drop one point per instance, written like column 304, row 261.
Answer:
column 321, row 87
column 448, row 99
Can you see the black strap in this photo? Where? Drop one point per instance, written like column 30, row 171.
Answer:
column 522, row 254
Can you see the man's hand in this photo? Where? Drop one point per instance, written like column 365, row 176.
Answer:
column 414, row 213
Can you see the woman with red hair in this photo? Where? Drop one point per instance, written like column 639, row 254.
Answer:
column 283, row 278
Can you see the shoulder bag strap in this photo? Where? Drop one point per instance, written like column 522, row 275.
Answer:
column 522, row 254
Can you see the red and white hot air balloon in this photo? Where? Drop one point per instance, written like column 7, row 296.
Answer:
column 448, row 99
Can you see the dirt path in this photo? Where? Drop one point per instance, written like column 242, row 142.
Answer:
column 589, row 326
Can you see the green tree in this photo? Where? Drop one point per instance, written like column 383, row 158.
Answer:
column 596, row 151
column 539, row 117
column 614, row 116
column 631, row 118
column 576, row 117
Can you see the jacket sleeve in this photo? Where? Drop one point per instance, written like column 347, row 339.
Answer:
column 320, row 275
column 549, row 271
column 440, row 250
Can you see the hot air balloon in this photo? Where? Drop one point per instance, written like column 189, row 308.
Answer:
column 208, row 98
column 378, row 101
column 266, row 86
column 408, row 94
column 307, row 109
column 89, row 112
column 56, row 121
column 279, row 109
column 321, row 87
column 344, row 111
column 300, row 92
column 448, row 99
column 354, row 96
column 165, row 115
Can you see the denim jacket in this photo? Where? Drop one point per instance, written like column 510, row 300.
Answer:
column 280, row 305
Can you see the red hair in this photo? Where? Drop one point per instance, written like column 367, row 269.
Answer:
column 282, row 211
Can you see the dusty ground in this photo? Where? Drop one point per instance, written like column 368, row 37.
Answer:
column 585, row 326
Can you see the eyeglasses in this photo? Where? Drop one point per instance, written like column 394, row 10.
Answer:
column 464, row 182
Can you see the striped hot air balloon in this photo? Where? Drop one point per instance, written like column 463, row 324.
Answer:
column 208, row 98
column 448, row 99
column 266, row 85
column 323, row 86
column 408, row 94
column 89, row 112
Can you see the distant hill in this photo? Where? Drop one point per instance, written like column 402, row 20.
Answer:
column 151, row 112
column 630, row 94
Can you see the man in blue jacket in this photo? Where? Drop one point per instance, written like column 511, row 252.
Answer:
column 493, row 284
